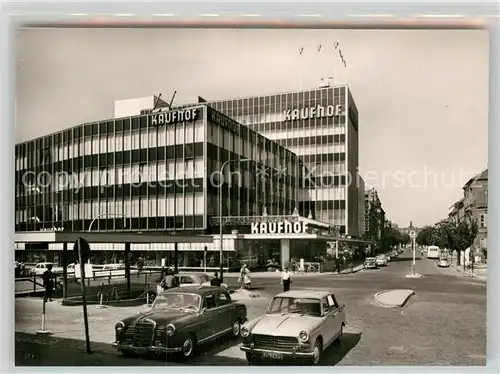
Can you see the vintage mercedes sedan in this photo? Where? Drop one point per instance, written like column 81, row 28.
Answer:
column 298, row 325
column 180, row 319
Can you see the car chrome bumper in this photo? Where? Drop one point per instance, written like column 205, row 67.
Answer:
column 294, row 354
column 144, row 350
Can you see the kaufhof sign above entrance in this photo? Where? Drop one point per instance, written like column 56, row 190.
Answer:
column 281, row 227
column 312, row 112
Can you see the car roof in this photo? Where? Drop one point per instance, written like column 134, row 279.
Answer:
column 197, row 290
column 191, row 274
column 310, row 294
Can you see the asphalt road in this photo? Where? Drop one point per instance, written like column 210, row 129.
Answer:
column 443, row 324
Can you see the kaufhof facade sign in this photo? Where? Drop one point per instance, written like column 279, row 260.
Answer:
column 282, row 227
column 318, row 111
column 174, row 116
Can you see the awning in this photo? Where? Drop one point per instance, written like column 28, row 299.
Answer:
column 104, row 237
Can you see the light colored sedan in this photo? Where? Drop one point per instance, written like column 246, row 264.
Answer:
column 298, row 325
column 381, row 260
column 370, row 263
column 443, row 263
column 41, row 267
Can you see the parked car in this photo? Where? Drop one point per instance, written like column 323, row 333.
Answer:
column 40, row 268
column 297, row 325
column 443, row 263
column 370, row 263
column 381, row 260
column 185, row 280
column 179, row 320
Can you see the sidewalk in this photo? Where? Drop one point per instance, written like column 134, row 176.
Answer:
column 480, row 274
column 277, row 274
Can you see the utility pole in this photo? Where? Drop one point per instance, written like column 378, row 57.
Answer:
column 413, row 236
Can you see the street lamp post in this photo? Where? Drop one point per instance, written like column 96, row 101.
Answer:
column 108, row 214
column 221, row 173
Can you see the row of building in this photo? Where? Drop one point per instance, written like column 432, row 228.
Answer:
column 158, row 168
column 474, row 203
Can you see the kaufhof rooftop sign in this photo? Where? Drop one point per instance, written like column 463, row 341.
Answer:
column 313, row 112
column 174, row 116
column 281, row 227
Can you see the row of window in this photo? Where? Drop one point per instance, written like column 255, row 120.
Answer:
column 320, row 194
column 189, row 204
column 333, row 124
column 195, row 224
column 324, row 96
column 129, row 174
column 318, row 148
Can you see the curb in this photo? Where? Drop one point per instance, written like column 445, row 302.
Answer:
column 400, row 305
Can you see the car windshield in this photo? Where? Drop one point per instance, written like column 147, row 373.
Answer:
column 303, row 306
column 381, row 257
column 177, row 301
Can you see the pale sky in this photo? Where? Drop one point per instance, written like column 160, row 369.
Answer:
column 422, row 96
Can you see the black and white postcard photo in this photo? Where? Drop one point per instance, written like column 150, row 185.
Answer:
column 250, row 197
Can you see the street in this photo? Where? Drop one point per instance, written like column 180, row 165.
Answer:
column 444, row 323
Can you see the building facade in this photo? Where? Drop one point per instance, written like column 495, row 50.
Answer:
column 375, row 220
column 150, row 172
column 321, row 127
column 475, row 204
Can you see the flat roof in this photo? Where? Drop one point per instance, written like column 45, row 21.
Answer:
column 105, row 237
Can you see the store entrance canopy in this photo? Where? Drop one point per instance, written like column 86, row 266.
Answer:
column 105, row 237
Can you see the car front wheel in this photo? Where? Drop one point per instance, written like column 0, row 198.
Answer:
column 188, row 346
column 236, row 329
column 317, row 352
column 341, row 335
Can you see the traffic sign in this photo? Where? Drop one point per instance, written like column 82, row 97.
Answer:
column 83, row 246
column 413, row 234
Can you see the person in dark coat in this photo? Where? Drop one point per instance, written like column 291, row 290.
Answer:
column 338, row 264
column 48, row 283
column 216, row 280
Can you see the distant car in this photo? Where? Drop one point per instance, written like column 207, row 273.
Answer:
column 179, row 320
column 297, row 325
column 381, row 260
column 370, row 263
column 185, row 280
column 443, row 263
column 40, row 268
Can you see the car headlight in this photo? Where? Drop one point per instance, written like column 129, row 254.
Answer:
column 119, row 326
column 170, row 329
column 245, row 332
column 303, row 336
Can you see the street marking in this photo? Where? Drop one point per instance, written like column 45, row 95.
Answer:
column 232, row 352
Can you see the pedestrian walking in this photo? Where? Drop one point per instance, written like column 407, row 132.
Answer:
column 244, row 280
column 286, row 279
column 216, row 280
column 140, row 264
column 241, row 279
column 48, row 283
column 338, row 264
